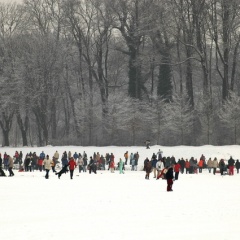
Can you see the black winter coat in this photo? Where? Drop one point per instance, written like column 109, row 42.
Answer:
column 237, row 165
column 231, row 162
column 169, row 174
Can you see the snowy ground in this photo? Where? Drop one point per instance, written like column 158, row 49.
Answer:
column 113, row 206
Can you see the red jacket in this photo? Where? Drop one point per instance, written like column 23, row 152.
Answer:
column 200, row 164
column 40, row 162
column 187, row 164
column 177, row 167
column 72, row 164
column 112, row 164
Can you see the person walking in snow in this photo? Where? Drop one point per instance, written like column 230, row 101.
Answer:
column 187, row 166
column 147, row 143
column 169, row 177
column 92, row 166
column 85, row 163
column 133, row 164
column 5, row 161
column 75, row 156
column 131, row 158
column 215, row 165
column 40, row 164
column 231, row 166
column 10, row 166
column 176, row 170
column 148, row 168
column 182, row 164
column 237, row 165
column 200, row 165
column 42, row 155
column 121, row 166
column 80, row 163
column 47, row 166
column 154, row 162
column 159, row 166
column 72, row 165
column 126, row 157
column 112, row 166
column 56, row 156
column 53, row 163
column 64, row 159
column 222, row 166
column 210, row 165
column 136, row 157
column 159, row 154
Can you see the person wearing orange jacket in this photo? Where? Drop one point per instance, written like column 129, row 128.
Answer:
column 200, row 165
column 187, row 166
column 72, row 165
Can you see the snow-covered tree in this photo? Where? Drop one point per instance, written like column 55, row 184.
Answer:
column 178, row 118
column 230, row 114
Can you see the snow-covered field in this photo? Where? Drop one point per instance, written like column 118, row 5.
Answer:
column 113, row 206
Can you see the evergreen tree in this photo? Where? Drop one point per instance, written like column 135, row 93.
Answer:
column 164, row 89
column 178, row 119
column 230, row 114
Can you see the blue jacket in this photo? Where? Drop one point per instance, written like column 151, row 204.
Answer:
column 154, row 162
column 75, row 156
column 64, row 162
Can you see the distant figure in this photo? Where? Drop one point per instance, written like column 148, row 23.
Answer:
column 112, row 166
column 56, row 156
column 126, row 157
column 222, row 166
column 147, row 167
column 159, row 167
column 154, row 162
column 147, row 144
column 187, row 166
column 121, row 166
column 47, row 166
column 10, row 166
column 177, row 167
column 210, row 165
column 169, row 177
column 72, row 165
column 215, row 165
column 237, row 165
column 231, row 166
column 92, row 166
column 159, row 154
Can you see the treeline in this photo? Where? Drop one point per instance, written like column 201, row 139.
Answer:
column 118, row 72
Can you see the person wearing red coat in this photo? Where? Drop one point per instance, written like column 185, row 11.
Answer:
column 112, row 166
column 200, row 165
column 177, row 167
column 187, row 166
column 40, row 164
column 72, row 165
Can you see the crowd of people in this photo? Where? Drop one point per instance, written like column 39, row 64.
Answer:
column 168, row 168
column 66, row 162
column 161, row 166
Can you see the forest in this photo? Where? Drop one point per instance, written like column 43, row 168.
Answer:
column 119, row 72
